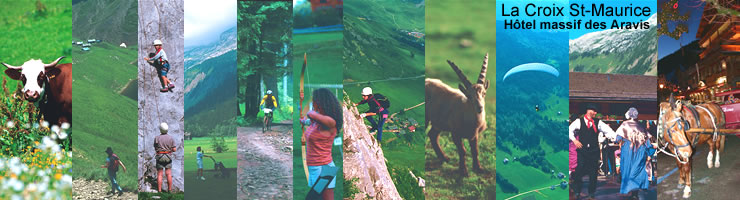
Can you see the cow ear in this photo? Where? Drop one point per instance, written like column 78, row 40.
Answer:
column 52, row 72
column 14, row 74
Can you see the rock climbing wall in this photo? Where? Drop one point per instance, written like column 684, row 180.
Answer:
column 364, row 159
column 161, row 20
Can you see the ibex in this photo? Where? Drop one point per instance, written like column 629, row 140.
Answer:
column 461, row 112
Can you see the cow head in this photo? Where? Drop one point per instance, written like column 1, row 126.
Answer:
column 34, row 74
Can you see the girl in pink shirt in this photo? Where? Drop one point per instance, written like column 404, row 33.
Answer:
column 325, row 121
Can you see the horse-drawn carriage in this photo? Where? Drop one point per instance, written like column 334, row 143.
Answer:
column 683, row 126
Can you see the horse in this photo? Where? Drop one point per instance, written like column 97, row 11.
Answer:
column 676, row 117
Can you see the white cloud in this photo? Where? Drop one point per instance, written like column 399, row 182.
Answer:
column 205, row 20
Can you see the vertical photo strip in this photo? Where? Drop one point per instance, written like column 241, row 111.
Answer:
column 383, row 145
column 612, row 122
column 698, row 81
column 531, row 109
column 104, row 53
column 36, row 100
column 265, row 99
column 210, row 100
column 317, row 114
column 460, row 96
column 161, row 99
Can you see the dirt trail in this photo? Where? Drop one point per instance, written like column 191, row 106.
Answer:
column 265, row 163
column 97, row 189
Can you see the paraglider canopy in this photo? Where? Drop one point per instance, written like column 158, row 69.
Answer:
column 540, row 67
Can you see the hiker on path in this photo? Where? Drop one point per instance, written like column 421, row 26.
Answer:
column 160, row 61
column 164, row 145
column 112, row 162
column 378, row 106
column 325, row 121
column 199, row 157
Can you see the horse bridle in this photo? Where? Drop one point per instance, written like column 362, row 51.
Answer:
column 682, row 124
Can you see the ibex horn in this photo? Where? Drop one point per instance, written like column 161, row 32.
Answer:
column 52, row 64
column 482, row 76
column 460, row 75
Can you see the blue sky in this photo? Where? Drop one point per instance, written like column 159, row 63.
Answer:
column 668, row 45
column 206, row 20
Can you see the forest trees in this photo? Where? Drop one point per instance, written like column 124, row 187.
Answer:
column 263, row 57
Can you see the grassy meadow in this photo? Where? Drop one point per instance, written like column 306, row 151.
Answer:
column 462, row 33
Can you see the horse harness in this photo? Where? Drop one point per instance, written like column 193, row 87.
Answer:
column 685, row 125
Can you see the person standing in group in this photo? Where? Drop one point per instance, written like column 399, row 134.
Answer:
column 164, row 145
column 323, row 124
column 587, row 144
column 636, row 148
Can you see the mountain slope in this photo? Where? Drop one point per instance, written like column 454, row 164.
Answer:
column 112, row 21
column 210, row 78
column 621, row 51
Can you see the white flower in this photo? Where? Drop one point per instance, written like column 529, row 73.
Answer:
column 54, row 136
column 15, row 166
column 67, row 180
column 62, row 135
column 55, row 149
column 65, row 125
column 10, row 124
column 17, row 197
column 45, row 124
column 55, row 128
column 27, row 126
column 35, row 125
column 16, row 184
column 31, row 187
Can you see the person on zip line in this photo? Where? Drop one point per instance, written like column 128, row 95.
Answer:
column 378, row 105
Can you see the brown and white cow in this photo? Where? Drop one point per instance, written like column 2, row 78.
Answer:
column 51, row 83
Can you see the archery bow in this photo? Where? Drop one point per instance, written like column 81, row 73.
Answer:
column 303, row 128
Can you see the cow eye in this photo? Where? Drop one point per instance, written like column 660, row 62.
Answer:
column 40, row 79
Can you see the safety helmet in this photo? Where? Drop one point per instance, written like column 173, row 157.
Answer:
column 269, row 91
column 157, row 42
column 163, row 127
column 367, row 91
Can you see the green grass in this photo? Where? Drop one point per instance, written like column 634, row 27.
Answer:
column 29, row 33
column 107, row 119
column 146, row 195
column 324, row 52
column 213, row 187
column 531, row 177
column 448, row 25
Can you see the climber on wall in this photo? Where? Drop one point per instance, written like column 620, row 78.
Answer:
column 378, row 106
column 159, row 60
column 164, row 145
column 323, row 124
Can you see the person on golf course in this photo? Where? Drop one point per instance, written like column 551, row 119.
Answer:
column 160, row 60
column 378, row 106
column 112, row 162
column 164, row 145
column 199, row 157
column 323, row 124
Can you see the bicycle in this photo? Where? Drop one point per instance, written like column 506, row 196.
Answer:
column 267, row 122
